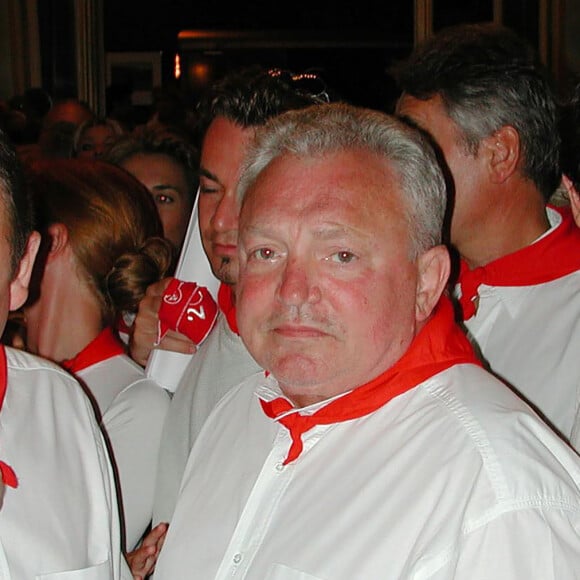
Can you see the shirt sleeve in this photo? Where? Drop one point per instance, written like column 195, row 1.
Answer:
column 534, row 542
column 133, row 425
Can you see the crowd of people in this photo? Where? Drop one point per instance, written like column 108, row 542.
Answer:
column 389, row 387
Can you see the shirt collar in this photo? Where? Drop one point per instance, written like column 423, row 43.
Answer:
column 553, row 255
column 8, row 476
column 105, row 346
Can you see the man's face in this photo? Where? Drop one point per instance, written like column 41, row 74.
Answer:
column 222, row 154
column 166, row 181
column 327, row 293
column 472, row 200
column 13, row 285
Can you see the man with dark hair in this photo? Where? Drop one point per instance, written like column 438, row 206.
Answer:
column 59, row 513
column 167, row 165
column 487, row 102
column 229, row 112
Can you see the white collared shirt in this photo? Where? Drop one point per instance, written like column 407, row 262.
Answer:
column 530, row 337
column 455, row 478
column 61, row 522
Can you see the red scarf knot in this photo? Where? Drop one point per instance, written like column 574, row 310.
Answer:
column 438, row 346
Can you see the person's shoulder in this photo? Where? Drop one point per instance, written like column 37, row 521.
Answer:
column 522, row 456
column 33, row 378
column 25, row 363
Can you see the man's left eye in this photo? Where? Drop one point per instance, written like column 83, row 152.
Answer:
column 342, row 257
column 263, row 254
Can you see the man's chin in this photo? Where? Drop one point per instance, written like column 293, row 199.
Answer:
column 227, row 273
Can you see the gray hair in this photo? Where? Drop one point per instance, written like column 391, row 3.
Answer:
column 324, row 129
column 488, row 77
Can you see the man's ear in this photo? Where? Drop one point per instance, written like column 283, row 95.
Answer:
column 19, row 285
column 433, row 272
column 503, row 149
column 574, row 197
column 57, row 235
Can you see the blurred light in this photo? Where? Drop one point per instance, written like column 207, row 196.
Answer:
column 200, row 72
column 177, row 67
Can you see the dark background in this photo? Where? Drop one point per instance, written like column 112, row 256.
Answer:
column 352, row 45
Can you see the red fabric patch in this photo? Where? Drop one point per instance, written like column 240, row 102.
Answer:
column 8, row 475
column 187, row 308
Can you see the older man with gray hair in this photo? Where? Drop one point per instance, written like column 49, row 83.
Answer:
column 374, row 445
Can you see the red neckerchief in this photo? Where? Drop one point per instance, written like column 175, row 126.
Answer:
column 438, row 346
column 555, row 255
column 227, row 304
column 105, row 346
column 8, row 475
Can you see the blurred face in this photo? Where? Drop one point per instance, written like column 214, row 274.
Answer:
column 167, row 183
column 95, row 142
column 327, row 293
column 472, row 200
column 222, row 154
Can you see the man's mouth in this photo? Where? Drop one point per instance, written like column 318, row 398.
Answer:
column 298, row 331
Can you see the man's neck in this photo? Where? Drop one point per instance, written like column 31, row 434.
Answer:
column 513, row 227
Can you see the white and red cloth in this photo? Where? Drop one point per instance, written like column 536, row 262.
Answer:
column 448, row 475
column 61, row 520
column 132, row 409
column 187, row 308
column 522, row 313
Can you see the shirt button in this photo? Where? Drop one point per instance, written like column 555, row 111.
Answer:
column 237, row 558
column 279, row 466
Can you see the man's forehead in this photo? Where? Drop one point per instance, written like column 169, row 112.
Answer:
column 330, row 199
column 223, row 150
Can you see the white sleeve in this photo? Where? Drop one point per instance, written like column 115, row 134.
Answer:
column 133, row 425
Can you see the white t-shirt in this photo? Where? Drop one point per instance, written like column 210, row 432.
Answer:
column 61, row 522
column 455, row 478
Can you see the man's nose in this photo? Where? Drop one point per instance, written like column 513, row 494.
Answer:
column 226, row 214
column 299, row 284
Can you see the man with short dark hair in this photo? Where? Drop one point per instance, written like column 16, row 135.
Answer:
column 374, row 445
column 229, row 114
column 481, row 93
column 59, row 514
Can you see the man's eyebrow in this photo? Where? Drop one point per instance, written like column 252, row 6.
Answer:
column 325, row 232
column 206, row 173
column 335, row 231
